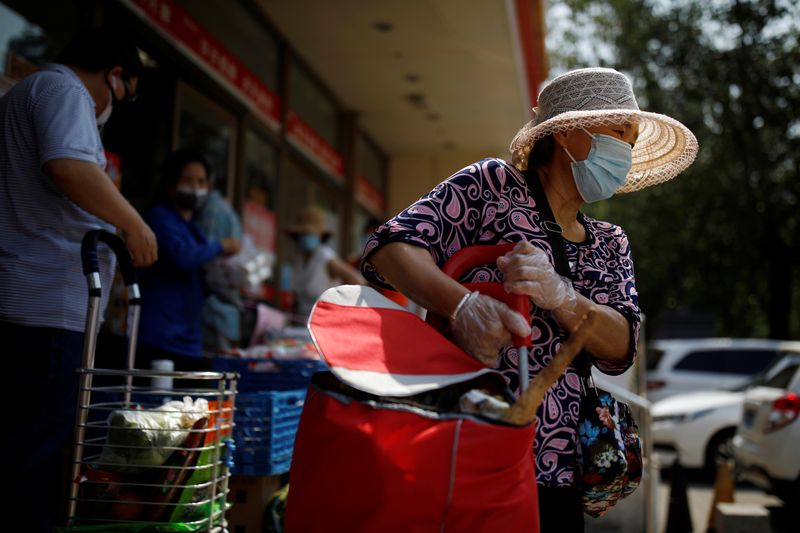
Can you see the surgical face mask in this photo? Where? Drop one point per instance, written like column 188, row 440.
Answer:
column 105, row 114
column 190, row 199
column 605, row 169
column 308, row 242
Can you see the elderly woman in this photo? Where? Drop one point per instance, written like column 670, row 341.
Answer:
column 589, row 140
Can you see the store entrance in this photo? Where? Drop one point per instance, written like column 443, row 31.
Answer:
column 139, row 135
column 210, row 130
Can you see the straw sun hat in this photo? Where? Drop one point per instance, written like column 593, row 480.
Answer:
column 603, row 97
column 310, row 220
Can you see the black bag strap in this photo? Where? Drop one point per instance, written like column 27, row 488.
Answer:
column 551, row 228
column 555, row 237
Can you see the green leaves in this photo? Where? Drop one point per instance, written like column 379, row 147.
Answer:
column 724, row 237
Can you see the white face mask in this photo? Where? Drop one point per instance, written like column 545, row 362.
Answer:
column 104, row 115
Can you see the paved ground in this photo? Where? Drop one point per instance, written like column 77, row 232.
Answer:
column 701, row 494
column 630, row 514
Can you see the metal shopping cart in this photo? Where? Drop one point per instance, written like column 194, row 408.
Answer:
column 152, row 448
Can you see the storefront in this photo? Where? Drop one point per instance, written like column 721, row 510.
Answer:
column 219, row 79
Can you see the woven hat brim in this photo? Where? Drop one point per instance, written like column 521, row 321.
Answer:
column 664, row 148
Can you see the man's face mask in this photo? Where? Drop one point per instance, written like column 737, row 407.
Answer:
column 129, row 97
column 105, row 114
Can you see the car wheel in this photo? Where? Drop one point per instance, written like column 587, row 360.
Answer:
column 720, row 448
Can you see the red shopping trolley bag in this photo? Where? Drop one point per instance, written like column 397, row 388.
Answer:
column 382, row 445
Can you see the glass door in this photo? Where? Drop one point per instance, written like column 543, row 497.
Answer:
column 210, row 129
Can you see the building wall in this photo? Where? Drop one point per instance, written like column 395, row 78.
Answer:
column 413, row 175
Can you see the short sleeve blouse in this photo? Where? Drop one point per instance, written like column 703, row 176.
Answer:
column 488, row 202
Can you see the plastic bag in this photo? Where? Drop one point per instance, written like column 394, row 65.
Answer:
column 250, row 267
column 147, row 437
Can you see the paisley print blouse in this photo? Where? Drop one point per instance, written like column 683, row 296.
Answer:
column 488, row 202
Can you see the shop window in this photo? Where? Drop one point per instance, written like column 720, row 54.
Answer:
column 260, row 191
column 209, row 129
column 370, row 177
column 252, row 43
column 362, row 222
column 303, row 190
column 141, row 133
column 25, row 44
column 313, row 105
column 370, row 162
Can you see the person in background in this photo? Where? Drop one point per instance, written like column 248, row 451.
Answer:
column 317, row 266
column 223, row 308
column 53, row 190
column 589, row 140
column 173, row 289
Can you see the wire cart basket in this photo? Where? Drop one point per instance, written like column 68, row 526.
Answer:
column 152, row 448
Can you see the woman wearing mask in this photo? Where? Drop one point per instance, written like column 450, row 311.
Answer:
column 317, row 267
column 173, row 289
column 588, row 141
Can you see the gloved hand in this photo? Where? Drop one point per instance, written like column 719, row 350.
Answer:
column 527, row 270
column 483, row 325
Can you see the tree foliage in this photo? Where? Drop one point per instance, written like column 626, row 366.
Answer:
column 724, row 237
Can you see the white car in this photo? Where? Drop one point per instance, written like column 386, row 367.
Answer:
column 696, row 427
column 699, row 427
column 676, row 366
column 766, row 444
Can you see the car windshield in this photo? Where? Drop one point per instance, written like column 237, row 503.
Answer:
column 781, row 361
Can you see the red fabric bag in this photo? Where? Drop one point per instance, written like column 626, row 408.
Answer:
column 365, row 459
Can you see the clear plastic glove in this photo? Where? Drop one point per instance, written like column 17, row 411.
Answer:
column 527, row 270
column 483, row 325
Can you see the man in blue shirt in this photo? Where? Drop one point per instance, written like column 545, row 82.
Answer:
column 53, row 189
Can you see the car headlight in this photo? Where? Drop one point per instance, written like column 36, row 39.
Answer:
column 673, row 419
column 681, row 418
column 698, row 414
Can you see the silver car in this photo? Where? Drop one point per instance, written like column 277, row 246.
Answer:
column 677, row 366
column 767, row 444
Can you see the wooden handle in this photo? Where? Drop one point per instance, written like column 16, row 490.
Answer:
column 524, row 409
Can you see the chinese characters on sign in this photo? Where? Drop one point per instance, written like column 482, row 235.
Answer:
column 305, row 139
column 180, row 26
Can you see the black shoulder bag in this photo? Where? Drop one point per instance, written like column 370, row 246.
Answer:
column 609, row 449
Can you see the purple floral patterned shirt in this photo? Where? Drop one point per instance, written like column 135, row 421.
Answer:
column 488, row 202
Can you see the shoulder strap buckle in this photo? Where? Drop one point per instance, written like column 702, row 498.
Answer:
column 552, row 227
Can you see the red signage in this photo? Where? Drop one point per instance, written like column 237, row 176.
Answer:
column 370, row 197
column 172, row 19
column 308, row 141
column 114, row 168
column 261, row 224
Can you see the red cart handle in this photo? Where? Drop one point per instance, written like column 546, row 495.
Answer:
column 473, row 256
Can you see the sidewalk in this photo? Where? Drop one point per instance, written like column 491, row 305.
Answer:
column 700, row 497
column 628, row 515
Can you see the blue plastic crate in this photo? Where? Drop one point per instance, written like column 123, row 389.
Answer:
column 266, row 426
column 269, row 374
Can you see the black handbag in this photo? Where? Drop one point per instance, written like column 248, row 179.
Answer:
column 609, row 456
